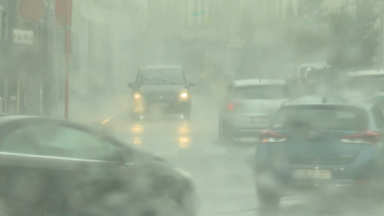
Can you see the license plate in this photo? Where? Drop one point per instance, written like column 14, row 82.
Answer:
column 259, row 119
column 312, row 174
column 167, row 97
column 163, row 104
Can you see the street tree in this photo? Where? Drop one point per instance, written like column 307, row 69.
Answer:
column 310, row 9
column 353, row 36
column 308, row 37
column 248, row 60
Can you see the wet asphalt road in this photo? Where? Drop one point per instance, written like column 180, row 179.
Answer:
column 223, row 174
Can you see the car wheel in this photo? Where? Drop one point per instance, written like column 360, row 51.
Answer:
column 268, row 197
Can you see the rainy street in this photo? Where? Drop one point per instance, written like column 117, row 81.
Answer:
column 191, row 107
column 222, row 174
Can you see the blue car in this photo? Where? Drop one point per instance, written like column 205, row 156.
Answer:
column 319, row 144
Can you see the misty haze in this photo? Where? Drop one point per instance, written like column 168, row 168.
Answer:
column 191, row 107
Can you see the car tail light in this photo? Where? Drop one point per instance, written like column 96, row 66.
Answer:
column 365, row 137
column 269, row 136
column 230, row 106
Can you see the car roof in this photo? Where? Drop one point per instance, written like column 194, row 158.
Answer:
column 329, row 100
column 253, row 82
column 366, row 73
column 4, row 118
column 7, row 118
column 159, row 67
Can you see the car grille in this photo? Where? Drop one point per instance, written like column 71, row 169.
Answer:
column 321, row 160
column 161, row 97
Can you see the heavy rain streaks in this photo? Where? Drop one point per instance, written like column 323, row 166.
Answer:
column 191, row 107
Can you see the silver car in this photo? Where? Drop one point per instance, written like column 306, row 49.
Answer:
column 249, row 107
column 366, row 82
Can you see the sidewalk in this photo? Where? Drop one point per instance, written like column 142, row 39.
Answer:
column 92, row 111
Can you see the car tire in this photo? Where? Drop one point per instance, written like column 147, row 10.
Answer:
column 268, row 197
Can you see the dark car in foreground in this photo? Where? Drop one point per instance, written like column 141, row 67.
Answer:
column 58, row 167
column 322, row 144
column 161, row 89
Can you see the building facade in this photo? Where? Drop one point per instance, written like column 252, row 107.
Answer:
column 24, row 57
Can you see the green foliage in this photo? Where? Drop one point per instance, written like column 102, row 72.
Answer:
column 290, row 12
column 248, row 28
column 308, row 41
column 306, row 31
column 353, row 37
column 310, row 8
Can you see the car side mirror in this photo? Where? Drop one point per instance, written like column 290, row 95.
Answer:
column 190, row 84
column 131, row 85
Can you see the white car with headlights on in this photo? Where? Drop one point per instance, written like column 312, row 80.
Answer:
column 161, row 89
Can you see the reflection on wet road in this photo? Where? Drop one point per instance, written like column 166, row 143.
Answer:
column 172, row 134
column 221, row 173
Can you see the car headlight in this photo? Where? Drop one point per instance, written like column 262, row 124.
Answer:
column 184, row 95
column 137, row 96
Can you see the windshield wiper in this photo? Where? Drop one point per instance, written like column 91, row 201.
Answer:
column 166, row 81
column 149, row 80
column 156, row 81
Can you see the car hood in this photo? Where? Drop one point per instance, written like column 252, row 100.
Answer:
column 161, row 89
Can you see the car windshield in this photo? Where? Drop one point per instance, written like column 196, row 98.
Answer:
column 323, row 118
column 261, row 92
column 160, row 77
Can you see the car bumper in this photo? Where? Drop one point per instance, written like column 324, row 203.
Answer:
column 251, row 133
column 321, row 187
column 334, row 187
column 357, row 177
column 247, row 132
column 241, row 128
column 165, row 107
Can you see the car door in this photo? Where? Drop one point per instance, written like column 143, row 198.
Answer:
column 49, row 166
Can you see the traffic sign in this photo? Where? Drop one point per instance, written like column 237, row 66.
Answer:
column 31, row 10
column 22, row 37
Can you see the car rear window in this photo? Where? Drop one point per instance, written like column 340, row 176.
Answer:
column 319, row 117
column 261, row 92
